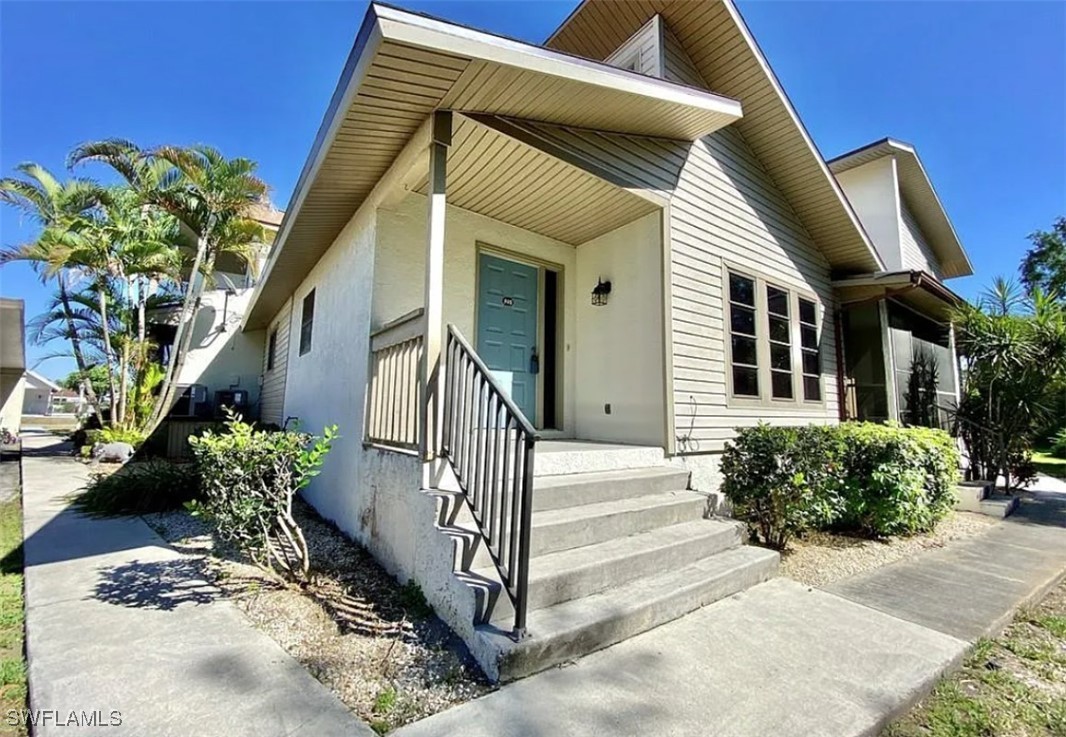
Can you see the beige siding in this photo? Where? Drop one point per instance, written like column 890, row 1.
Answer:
column 272, row 396
column 916, row 251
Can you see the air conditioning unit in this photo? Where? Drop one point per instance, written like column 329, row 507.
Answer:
column 234, row 399
column 192, row 402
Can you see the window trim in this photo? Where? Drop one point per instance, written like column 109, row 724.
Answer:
column 307, row 324
column 272, row 348
column 762, row 344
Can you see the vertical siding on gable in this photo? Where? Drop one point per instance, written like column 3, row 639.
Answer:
column 916, row 251
column 272, row 396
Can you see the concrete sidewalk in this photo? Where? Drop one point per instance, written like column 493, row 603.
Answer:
column 784, row 659
column 117, row 620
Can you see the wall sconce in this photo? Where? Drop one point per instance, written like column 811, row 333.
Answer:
column 600, row 292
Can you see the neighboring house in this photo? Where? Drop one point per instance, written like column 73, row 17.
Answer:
column 549, row 282
column 12, row 363
column 39, row 391
column 69, row 402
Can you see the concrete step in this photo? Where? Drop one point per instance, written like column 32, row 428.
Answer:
column 968, row 495
column 572, row 574
column 575, row 628
column 573, row 490
column 574, row 527
column 999, row 506
column 561, row 457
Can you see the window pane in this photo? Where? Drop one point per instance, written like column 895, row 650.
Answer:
column 779, row 329
column 780, row 357
column 307, row 319
column 812, row 389
column 811, row 363
column 781, row 384
column 744, row 350
column 808, row 337
column 272, row 349
column 777, row 301
column 742, row 319
column 742, row 290
column 745, row 382
column 808, row 312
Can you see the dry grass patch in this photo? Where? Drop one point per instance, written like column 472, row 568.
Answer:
column 12, row 614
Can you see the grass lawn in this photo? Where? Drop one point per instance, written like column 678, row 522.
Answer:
column 1014, row 686
column 12, row 661
column 1049, row 464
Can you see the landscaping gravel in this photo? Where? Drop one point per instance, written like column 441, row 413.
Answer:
column 822, row 558
column 374, row 643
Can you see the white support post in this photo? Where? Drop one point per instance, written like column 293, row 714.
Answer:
column 432, row 405
column 889, row 361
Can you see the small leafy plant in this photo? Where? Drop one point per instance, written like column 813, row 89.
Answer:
column 249, row 479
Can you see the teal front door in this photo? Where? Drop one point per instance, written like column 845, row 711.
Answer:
column 507, row 327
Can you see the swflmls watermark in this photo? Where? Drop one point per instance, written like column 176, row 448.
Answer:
column 63, row 718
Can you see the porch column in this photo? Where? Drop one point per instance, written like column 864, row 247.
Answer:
column 432, row 406
column 890, row 362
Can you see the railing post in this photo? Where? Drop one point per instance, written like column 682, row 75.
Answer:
column 526, row 515
column 431, row 409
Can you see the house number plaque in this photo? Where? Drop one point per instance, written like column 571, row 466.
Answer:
column 508, row 301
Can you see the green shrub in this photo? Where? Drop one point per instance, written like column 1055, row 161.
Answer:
column 897, row 480
column 783, row 480
column 249, row 478
column 873, row 479
column 140, row 488
column 1058, row 444
column 115, row 435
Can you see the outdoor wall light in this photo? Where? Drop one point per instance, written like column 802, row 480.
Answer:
column 600, row 292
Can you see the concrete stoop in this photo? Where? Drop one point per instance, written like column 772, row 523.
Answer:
column 619, row 546
column 980, row 497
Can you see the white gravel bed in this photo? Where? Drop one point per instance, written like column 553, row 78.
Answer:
column 373, row 642
column 822, row 558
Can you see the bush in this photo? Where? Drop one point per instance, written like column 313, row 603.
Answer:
column 783, row 480
column 140, row 488
column 897, row 480
column 114, row 435
column 873, row 479
column 249, row 478
column 1058, row 444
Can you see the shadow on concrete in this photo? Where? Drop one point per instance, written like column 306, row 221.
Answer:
column 162, row 585
column 1041, row 508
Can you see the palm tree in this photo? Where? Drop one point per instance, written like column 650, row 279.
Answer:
column 59, row 208
column 210, row 195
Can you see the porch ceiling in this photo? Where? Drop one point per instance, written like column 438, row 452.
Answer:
column 404, row 66
column 492, row 174
column 917, row 289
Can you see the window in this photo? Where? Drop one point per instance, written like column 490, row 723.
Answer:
column 779, row 330
column 811, row 354
column 272, row 348
column 307, row 321
column 744, row 345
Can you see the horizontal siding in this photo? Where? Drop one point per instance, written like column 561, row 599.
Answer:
column 727, row 209
column 272, row 395
column 915, row 249
column 645, row 43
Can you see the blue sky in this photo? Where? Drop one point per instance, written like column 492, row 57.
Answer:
column 978, row 87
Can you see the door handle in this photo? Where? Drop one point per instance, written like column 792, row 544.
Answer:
column 534, row 362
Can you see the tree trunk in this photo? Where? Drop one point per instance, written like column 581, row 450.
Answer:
column 183, row 337
column 109, row 355
column 123, row 389
column 79, row 356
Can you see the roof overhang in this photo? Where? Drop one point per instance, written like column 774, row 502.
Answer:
column 917, row 191
column 403, row 67
column 12, row 335
column 918, row 289
column 718, row 42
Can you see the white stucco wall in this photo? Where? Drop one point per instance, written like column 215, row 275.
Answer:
column 873, row 191
column 619, row 355
column 12, row 386
column 399, row 272
column 221, row 355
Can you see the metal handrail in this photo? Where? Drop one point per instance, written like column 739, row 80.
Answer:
column 490, row 446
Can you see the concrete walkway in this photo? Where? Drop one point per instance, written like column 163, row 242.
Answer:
column 117, row 620
column 784, row 659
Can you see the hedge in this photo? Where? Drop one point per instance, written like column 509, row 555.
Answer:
column 875, row 480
